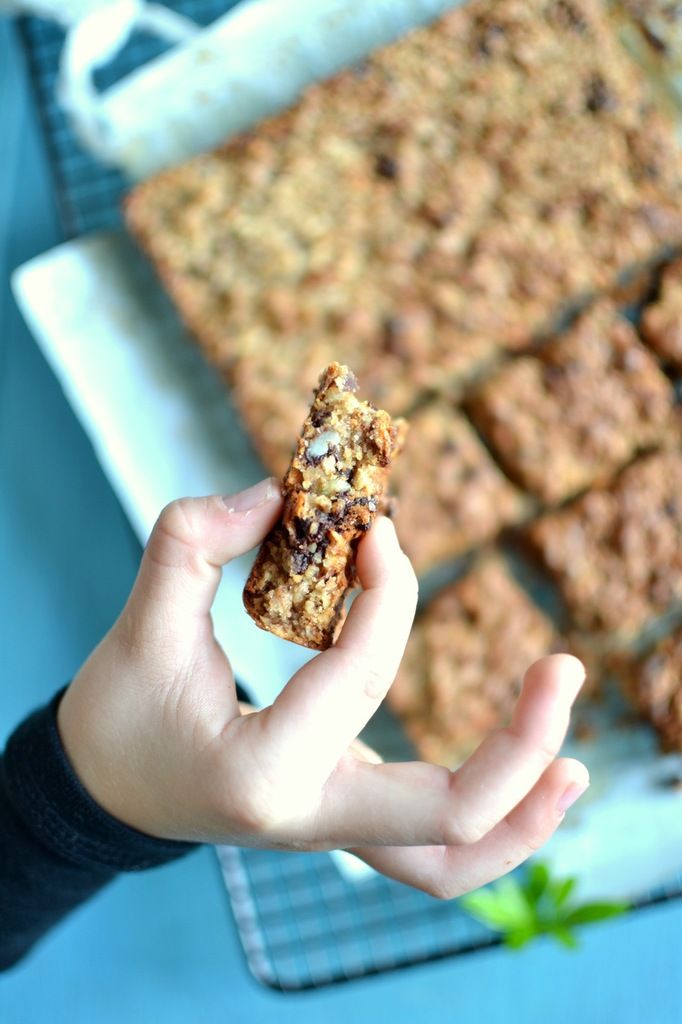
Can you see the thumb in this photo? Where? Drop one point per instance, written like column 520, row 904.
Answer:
column 191, row 541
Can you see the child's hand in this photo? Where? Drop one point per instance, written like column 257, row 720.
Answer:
column 153, row 728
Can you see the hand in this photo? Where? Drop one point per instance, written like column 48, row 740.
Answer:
column 154, row 730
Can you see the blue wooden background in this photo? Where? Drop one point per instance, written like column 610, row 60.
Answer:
column 161, row 946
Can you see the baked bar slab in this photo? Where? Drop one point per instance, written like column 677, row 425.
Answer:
column 654, row 685
column 580, row 410
column 465, row 661
column 450, row 494
column 616, row 553
column 332, row 491
column 430, row 208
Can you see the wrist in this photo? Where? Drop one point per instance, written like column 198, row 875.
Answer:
column 53, row 805
column 82, row 749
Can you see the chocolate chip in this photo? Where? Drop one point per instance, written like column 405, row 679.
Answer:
column 318, row 416
column 300, row 527
column 671, row 781
column 553, row 375
column 489, row 37
column 654, row 41
column 362, row 68
column 439, row 218
column 386, row 167
column 300, row 560
column 392, row 330
column 569, row 15
column 599, row 96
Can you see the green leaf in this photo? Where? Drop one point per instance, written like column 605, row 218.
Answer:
column 537, row 881
column 491, row 910
column 562, row 890
column 565, row 936
column 502, row 906
column 590, row 912
column 520, row 937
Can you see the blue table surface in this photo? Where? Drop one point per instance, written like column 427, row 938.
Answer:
column 162, row 946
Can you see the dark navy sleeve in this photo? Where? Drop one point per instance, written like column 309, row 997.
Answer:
column 57, row 845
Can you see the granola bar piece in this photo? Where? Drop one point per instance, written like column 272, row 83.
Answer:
column 465, row 661
column 615, row 552
column 332, row 491
column 653, row 683
column 661, row 323
column 450, row 494
column 577, row 412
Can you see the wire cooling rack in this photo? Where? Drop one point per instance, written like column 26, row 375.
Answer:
column 88, row 193
column 301, row 922
column 304, row 925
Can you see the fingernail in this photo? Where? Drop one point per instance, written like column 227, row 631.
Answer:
column 252, row 497
column 570, row 795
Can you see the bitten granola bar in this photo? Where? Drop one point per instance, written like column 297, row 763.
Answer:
column 332, row 491
column 577, row 412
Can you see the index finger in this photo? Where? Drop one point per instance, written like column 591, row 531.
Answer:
column 326, row 703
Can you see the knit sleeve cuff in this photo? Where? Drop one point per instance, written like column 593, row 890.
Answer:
column 54, row 806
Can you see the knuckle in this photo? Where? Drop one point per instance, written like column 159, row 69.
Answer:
column 441, row 889
column 463, row 831
column 372, row 677
column 252, row 812
column 462, row 825
column 375, row 682
column 176, row 520
column 532, row 842
column 175, row 541
column 543, row 750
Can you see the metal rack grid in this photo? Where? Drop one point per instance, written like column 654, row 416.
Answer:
column 302, row 924
column 89, row 193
